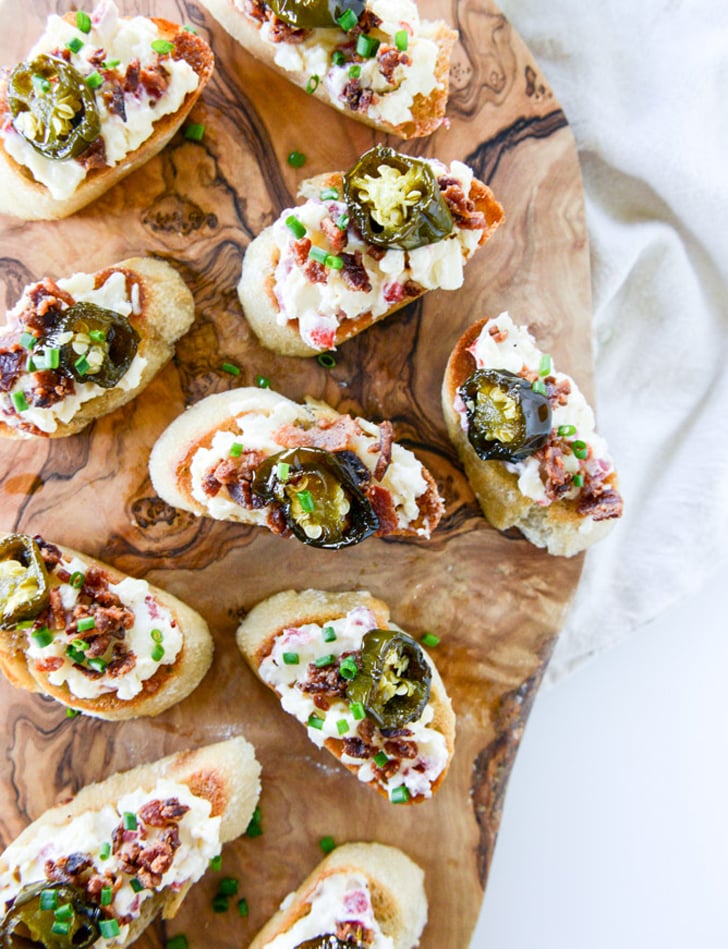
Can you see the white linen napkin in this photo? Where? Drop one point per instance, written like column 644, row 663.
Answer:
column 644, row 86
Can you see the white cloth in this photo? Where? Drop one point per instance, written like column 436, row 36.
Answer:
column 644, row 86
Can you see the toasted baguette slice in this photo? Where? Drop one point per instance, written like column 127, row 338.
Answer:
column 157, row 303
column 122, row 640
column 194, row 453
column 24, row 195
column 298, row 322
column 220, row 784
column 390, row 887
column 403, row 110
column 292, row 623
column 556, row 513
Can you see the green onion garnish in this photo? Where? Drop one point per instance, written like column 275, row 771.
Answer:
column 83, row 625
column 82, row 366
column 357, row 711
column 216, row 862
column 578, row 480
column 229, row 367
column 157, row 653
column 327, row 360
column 313, row 83
column 328, row 634
column 323, row 661
column 327, row 844
column 338, row 58
column 348, row 20
column 31, row 365
column 236, row 450
column 401, row 40
column 283, row 471
column 544, row 366
column 194, row 132
column 242, row 907
column 64, row 912
column 329, row 194
column 305, row 499
column 255, row 827
column 349, row 668
column 366, row 46
column 162, row 46
column 62, row 927
column 220, row 904
column 107, row 895
column 130, row 823
column 314, row 721
column 98, row 665
column 80, row 644
column 110, row 64
column 83, row 21
column 136, row 885
column 179, row 941
column 354, row 72
column 42, row 637
column 333, row 261
column 189, row 29
column 580, row 449
column 72, row 713
column 380, row 759
column 295, row 227
column 97, row 336
column 109, row 928
column 75, row 655
column 296, row 159
column 75, row 45
column 94, row 79
column 399, row 795
column 157, row 635
column 105, row 851
column 48, row 899
column 53, row 358
column 318, row 254
column 262, row 382
column 291, row 658
column 539, row 386
column 28, row 340
column 429, row 639
column 77, row 579
column 343, row 222
column 342, row 726
column 228, row 886
column 563, row 431
column 19, row 401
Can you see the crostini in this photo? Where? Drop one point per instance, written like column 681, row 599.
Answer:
column 96, row 97
column 78, row 348
column 91, row 637
column 362, row 245
column 361, row 894
column 253, row 456
column 525, row 435
column 365, row 689
column 374, row 60
column 96, row 870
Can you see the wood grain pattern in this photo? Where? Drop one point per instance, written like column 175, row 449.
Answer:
column 496, row 601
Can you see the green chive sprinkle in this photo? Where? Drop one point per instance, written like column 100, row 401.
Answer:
column 228, row 886
column 380, row 759
column 190, row 29
column 41, row 83
column 283, row 471
column 136, row 885
column 318, row 254
column 401, row 40
column 42, row 637
column 262, row 382
column 366, row 46
column 580, row 448
column 565, row 430
column 220, row 904
column 63, row 913
column 77, row 579
column 83, row 625
column 105, row 851
column 216, row 862
column 194, row 132
column 48, row 899
column 81, row 365
column 354, row 72
column 326, row 360
column 243, row 907
column 578, row 481
column 349, row 668
column 157, row 635
column 295, row 227
column 19, row 401
column 328, row 634
column 162, row 46
column 110, row 63
column 109, row 928
column 28, row 340
column 32, row 367
column 357, row 711
column 83, row 21
column 399, row 795
column 179, row 941
column 230, row 368
column 107, row 895
column 236, row 450
column 296, row 159
column 338, row 58
column 329, row 194
column 324, row 661
column 94, row 79
column 348, row 20
column 75, row 655
column 305, row 499
column 75, row 45
column 80, row 644
column 544, row 366
column 62, row 928
column 315, row 722
column 429, row 639
column 53, row 358
column 334, row 262
column 157, row 653
column 255, row 827
column 97, row 336
column 313, row 83
column 291, row 658
column 130, row 823
column 342, row 726
column 539, row 386
column 72, row 713
column 327, row 844
column 343, row 222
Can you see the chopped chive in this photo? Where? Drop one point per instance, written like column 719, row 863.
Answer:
column 349, row 668
column 130, row 823
column 61, row 928
column 283, row 471
column 580, row 448
column 75, row 45
column 97, row 336
column 366, row 45
column 179, row 941
column 42, row 637
column 255, row 827
column 107, row 895
column 291, row 658
column 262, row 382
column 231, row 368
column 110, row 63
column 109, row 928
column 544, row 366
column 329, row 194
column 189, row 29
column 77, row 579
column 81, row 365
column 53, row 358
column 157, row 653
column 80, row 644
column 318, row 254
column 157, row 635
column 327, row 844
column 63, row 913
column 220, row 904
column 313, row 83
column 98, row 665
column 216, row 862
column 136, row 885
column 314, row 721
column 401, row 40
column 83, row 21
column 19, row 401
column 105, row 851
column 194, row 132
column 357, row 711
column 563, row 431
column 342, row 726
column 326, row 360
column 323, row 661
column 429, row 639
column 94, row 79
column 338, row 58
column 348, row 20
column 380, row 759
column 32, row 367
column 578, row 480
column 83, row 625
column 399, row 795
column 296, row 159
column 305, row 499
column 354, row 72
column 295, row 227
column 48, row 899
column 539, row 386
column 328, row 634
column 334, row 262
column 243, row 907
column 162, row 46
column 343, row 222
column 75, row 655
column 228, row 886
column 236, row 450
column 72, row 713
column 28, row 340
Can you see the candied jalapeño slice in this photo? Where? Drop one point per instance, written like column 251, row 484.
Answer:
column 96, row 345
column 32, row 922
column 308, row 14
column 23, row 580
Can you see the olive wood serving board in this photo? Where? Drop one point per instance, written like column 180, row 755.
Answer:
column 496, row 601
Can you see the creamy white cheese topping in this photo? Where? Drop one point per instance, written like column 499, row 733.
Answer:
column 123, row 39
column 23, row 862
column 111, row 295
column 257, row 430
column 308, row 643
column 341, row 898
column 149, row 615
column 517, row 352
column 321, row 307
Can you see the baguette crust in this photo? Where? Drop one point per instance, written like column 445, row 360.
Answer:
column 226, row 774
column 559, row 527
column 257, row 632
column 428, row 112
column 170, row 463
column 169, row 684
column 24, row 197
column 167, row 312
column 396, row 885
column 257, row 280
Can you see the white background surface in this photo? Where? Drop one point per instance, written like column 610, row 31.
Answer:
column 615, row 828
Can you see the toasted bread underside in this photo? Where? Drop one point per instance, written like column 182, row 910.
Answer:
column 558, row 526
column 168, row 311
column 255, row 288
column 169, row 685
column 24, row 197
column 396, row 885
column 290, row 608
